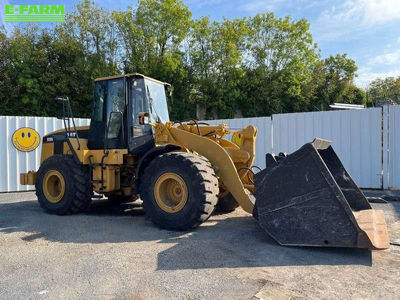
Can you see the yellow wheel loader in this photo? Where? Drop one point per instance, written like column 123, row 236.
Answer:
column 183, row 171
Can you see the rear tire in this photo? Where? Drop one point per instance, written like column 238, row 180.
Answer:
column 63, row 186
column 226, row 204
column 194, row 183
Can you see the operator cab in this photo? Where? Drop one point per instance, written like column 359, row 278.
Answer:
column 120, row 102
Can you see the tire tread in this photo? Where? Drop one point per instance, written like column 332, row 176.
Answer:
column 80, row 178
column 201, row 172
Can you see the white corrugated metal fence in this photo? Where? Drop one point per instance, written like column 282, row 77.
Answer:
column 14, row 162
column 356, row 137
column 370, row 154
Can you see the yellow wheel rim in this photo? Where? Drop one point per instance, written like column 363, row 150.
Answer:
column 171, row 192
column 53, row 186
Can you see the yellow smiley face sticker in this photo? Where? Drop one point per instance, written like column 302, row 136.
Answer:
column 26, row 139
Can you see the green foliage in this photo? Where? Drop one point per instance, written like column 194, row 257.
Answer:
column 385, row 89
column 215, row 54
column 251, row 66
column 40, row 64
column 151, row 36
column 281, row 54
column 335, row 77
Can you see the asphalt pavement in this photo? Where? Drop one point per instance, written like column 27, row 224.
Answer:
column 115, row 252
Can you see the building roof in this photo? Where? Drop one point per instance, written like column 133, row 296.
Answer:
column 346, row 106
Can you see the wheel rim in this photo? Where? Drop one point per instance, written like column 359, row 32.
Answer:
column 171, row 192
column 53, row 186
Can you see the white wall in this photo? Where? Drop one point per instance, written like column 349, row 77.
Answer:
column 356, row 137
column 356, row 134
column 14, row 162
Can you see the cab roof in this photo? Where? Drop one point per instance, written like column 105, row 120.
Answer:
column 131, row 75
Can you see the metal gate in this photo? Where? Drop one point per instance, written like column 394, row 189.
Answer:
column 391, row 147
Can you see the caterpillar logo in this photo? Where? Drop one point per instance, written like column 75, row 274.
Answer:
column 26, row 139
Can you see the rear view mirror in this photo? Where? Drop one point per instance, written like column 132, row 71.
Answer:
column 61, row 98
column 66, row 106
column 144, row 118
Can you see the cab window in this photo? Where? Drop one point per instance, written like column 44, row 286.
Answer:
column 138, row 99
column 98, row 104
column 115, row 104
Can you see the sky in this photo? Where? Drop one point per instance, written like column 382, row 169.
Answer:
column 367, row 30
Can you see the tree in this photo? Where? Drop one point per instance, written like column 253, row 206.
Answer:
column 7, row 88
column 39, row 64
column 151, row 36
column 335, row 76
column 85, row 47
column 24, row 66
column 280, row 58
column 385, row 89
column 242, row 67
column 215, row 53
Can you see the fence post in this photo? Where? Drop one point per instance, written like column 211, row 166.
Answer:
column 385, row 146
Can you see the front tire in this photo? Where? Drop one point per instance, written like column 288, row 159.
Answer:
column 63, row 186
column 179, row 190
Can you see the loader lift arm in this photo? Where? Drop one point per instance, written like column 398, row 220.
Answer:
column 221, row 161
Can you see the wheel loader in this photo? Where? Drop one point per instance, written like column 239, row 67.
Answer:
column 183, row 171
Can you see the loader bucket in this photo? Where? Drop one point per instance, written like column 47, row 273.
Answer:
column 307, row 198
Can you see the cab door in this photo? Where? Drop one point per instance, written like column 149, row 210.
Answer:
column 109, row 114
column 140, row 136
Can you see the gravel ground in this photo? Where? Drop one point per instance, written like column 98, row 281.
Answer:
column 114, row 252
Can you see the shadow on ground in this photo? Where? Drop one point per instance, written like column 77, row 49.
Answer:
column 223, row 242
